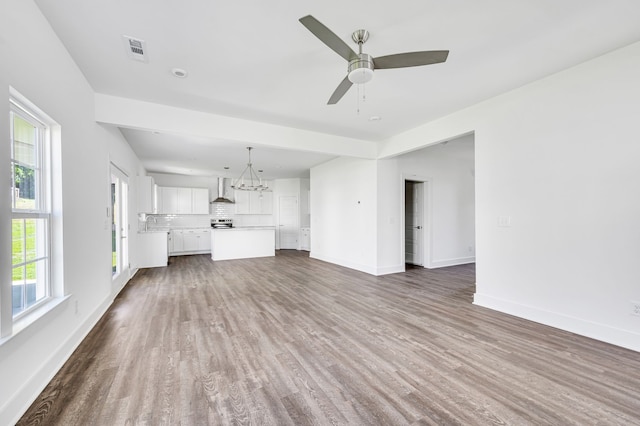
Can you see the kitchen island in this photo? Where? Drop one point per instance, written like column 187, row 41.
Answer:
column 243, row 242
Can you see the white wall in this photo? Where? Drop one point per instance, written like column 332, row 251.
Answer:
column 450, row 209
column 390, row 209
column 42, row 70
column 449, row 169
column 559, row 157
column 344, row 213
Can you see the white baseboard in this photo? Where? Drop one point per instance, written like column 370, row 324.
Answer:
column 451, row 262
column 31, row 389
column 386, row 270
column 597, row 331
column 372, row 270
column 347, row 264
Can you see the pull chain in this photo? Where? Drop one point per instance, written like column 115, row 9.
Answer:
column 364, row 96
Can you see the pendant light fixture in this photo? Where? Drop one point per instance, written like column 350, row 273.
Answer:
column 253, row 181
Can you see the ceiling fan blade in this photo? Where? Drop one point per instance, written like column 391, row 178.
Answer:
column 411, row 59
column 340, row 91
column 328, row 37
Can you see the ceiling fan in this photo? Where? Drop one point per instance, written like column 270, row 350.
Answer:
column 361, row 65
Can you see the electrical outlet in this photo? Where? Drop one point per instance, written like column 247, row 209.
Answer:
column 635, row 308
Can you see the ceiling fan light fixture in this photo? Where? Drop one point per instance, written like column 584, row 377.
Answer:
column 360, row 75
column 361, row 69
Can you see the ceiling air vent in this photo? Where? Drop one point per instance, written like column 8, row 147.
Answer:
column 136, row 48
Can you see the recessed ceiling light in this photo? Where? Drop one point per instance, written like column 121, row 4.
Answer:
column 375, row 118
column 179, row 72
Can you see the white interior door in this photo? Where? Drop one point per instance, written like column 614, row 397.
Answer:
column 288, row 221
column 414, row 229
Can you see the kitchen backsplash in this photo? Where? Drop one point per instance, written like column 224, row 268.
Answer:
column 218, row 211
column 222, row 210
column 174, row 221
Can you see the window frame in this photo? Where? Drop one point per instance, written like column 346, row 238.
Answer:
column 43, row 202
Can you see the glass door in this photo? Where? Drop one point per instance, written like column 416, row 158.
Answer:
column 119, row 227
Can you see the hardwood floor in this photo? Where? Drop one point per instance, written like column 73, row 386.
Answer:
column 294, row 341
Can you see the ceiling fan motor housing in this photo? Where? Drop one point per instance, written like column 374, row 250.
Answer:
column 361, row 69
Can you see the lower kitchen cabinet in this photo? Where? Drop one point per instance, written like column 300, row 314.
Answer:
column 190, row 241
column 305, row 239
column 153, row 249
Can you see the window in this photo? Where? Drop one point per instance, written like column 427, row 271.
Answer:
column 30, row 208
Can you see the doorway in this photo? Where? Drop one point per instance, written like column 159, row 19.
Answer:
column 119, row 227
column 288, row 221
column 414, row 222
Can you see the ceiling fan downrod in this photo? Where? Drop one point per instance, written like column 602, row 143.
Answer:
column 360, row 69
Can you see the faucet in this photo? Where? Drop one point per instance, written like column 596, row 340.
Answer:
column 146, row 222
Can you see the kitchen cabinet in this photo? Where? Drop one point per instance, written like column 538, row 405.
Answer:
column 305, row 239
column 176, row 242
column 153, row 249
column 167, row 200
column 254, row 202
column 199, row 200
column 190, row 241
column 146, row 194
column 183, row 200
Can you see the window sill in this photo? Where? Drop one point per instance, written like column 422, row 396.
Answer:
column 26, row 321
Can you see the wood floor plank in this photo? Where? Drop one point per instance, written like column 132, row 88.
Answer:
column 292, row 340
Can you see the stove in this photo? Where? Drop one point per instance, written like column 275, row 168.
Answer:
column 221, row 223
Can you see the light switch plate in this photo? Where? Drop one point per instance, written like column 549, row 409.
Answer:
column 504, row 221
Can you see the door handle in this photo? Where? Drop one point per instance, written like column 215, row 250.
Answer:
column 418, row 227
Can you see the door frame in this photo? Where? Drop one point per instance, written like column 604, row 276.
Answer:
column 426, row 219
column 416, row 187
column 119, row 279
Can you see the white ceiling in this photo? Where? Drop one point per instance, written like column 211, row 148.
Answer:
column 187, row 155
column 253, row 60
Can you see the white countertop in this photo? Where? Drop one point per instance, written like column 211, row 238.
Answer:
column 245, row 228
column 177, row 228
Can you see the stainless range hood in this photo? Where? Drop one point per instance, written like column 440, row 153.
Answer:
column 221, row 198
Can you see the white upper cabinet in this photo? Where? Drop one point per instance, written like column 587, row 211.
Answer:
column 168, row 200
column 254, row 202
column 242, row 202
column 200, row 201
column 146, row 195
column 183, row 204
column 183, row 200
column 263, row 202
